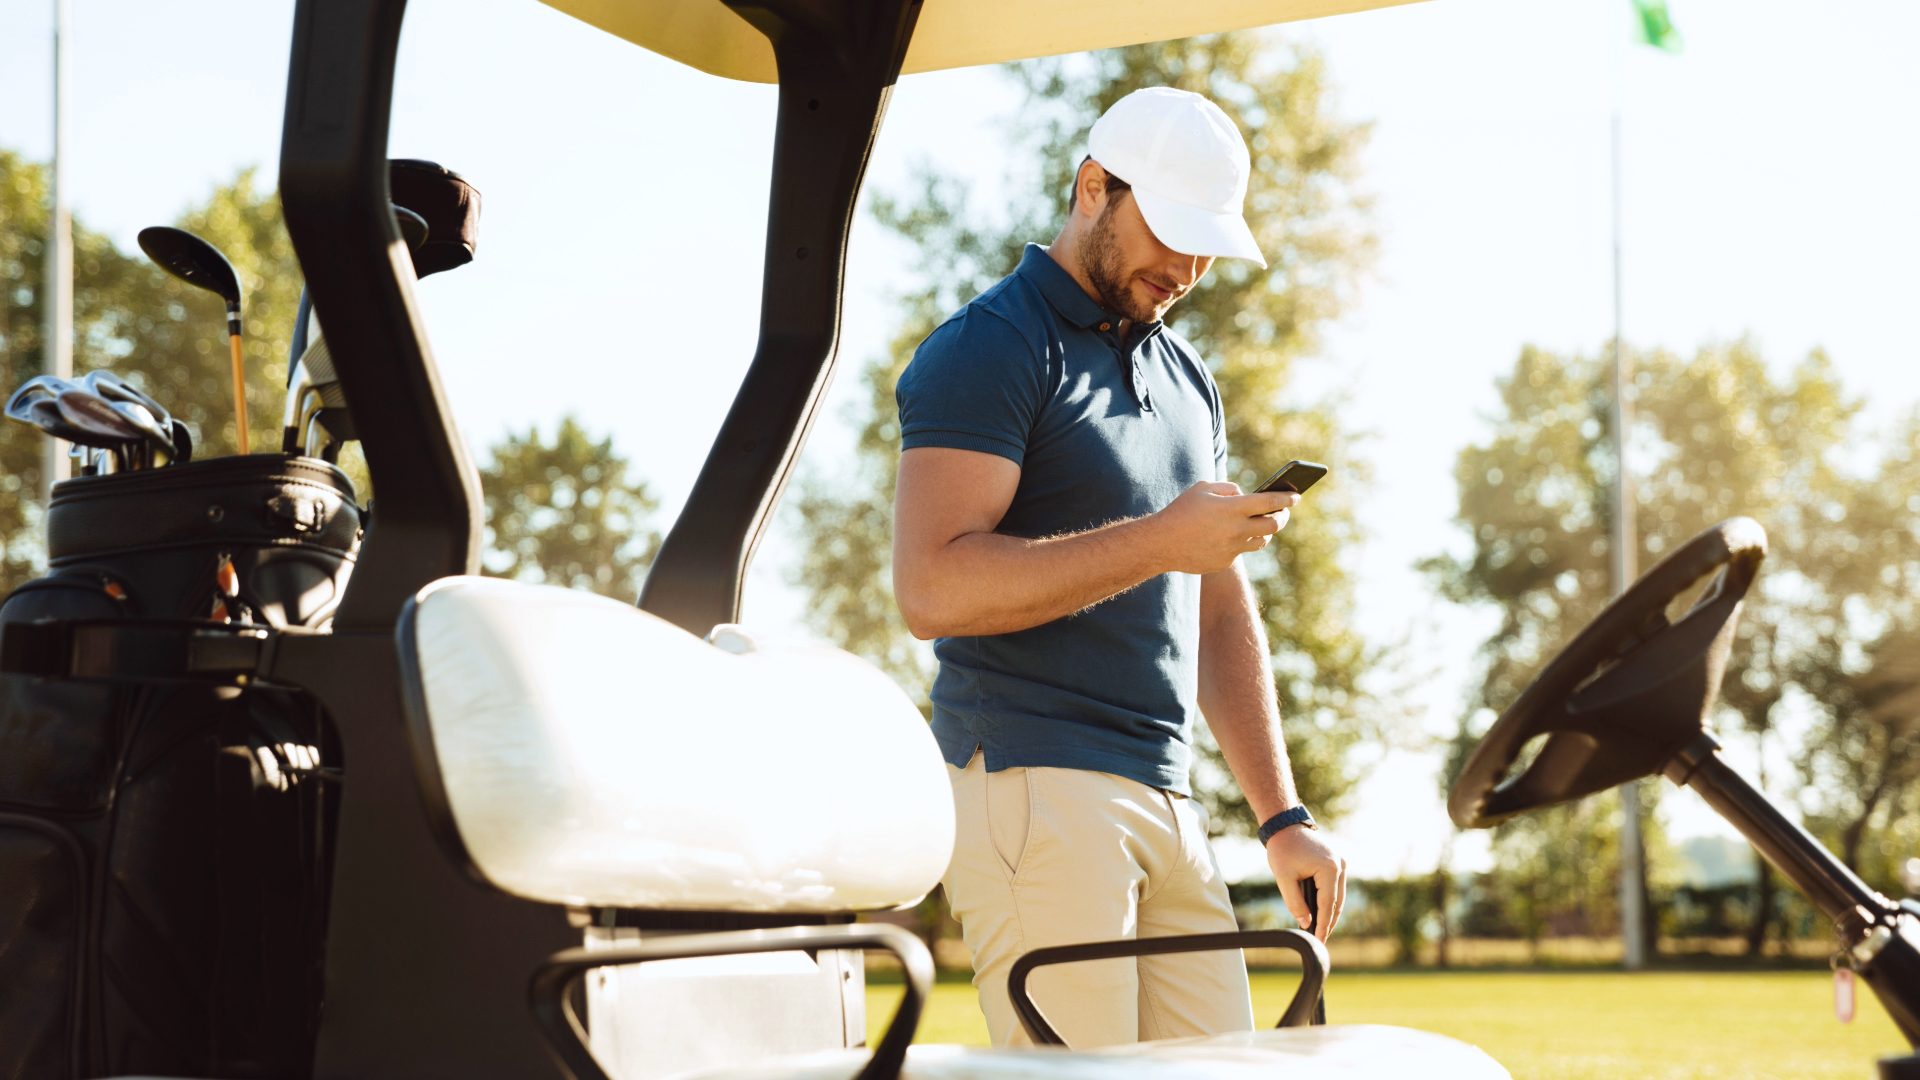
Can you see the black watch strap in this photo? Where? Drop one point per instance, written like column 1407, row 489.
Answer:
column 1296, row 816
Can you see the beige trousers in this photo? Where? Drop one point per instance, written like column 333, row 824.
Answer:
column 1062, row 856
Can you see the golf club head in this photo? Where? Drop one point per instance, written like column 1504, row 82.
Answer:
column 112, row 387
column 37, row 403
column 44, row 413
column 413, row 228
column 39, row 388
column 95, row 415
column 192, row 260
column 314, row 386
column 159, row 433
column 182, row 443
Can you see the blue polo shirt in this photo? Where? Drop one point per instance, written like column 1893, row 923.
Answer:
column 1103, row 429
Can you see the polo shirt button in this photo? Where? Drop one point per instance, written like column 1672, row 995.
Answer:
column 1106, row 326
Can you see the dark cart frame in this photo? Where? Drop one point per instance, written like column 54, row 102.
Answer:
column 426, row 970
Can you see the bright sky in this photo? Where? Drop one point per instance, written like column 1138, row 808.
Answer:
column 1769, row 178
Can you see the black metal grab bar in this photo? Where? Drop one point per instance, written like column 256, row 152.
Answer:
column 1300, row 1011
column 554, row 1011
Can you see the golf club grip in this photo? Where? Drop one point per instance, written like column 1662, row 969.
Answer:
column 1310, row 891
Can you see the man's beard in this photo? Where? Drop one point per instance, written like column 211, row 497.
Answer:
column 1102, row 262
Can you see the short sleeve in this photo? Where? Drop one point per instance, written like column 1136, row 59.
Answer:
column 974, row 384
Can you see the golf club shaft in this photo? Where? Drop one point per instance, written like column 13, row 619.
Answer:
column 239, row 376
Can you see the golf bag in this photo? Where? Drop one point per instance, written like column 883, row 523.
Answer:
column 165, row 838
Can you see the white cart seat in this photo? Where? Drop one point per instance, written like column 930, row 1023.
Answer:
column 577, row 750
column 1344, row 1052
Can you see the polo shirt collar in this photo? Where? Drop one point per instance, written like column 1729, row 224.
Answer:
column 1065, row 294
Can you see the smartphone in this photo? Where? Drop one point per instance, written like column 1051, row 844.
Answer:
column 1296, row 476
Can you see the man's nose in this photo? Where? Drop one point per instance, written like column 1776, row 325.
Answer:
column 1184, row 270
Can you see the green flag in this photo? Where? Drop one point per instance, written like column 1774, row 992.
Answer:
column 1656, row 26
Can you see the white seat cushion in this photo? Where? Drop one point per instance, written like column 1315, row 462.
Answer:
column 1342, row 1052
column 593, row 754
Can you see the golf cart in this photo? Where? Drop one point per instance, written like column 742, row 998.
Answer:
column 536, row 784
column 541, row 784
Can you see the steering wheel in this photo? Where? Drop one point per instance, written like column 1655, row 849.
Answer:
column 1626, row 695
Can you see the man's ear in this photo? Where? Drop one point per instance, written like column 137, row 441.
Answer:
column 1092, row 188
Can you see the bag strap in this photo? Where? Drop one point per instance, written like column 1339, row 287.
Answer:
column 137, row 650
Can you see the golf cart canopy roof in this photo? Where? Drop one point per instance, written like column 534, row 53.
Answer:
column 707, row 35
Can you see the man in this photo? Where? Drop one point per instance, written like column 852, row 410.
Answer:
column 1062, row 528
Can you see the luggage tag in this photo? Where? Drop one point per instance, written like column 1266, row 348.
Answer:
column 1843, row 988
column 227, row 581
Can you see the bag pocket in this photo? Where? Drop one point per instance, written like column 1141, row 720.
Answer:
column 43, row 909
column 59, row 740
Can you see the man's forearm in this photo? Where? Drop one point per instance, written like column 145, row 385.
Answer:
column 987, row 583
column 1237, row 693
column 955, row 574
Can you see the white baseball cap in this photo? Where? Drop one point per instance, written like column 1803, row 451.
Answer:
column 1188, row 166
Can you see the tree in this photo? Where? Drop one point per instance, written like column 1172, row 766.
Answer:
column 1252, row 326
column 1397, row 909
column 162, row 335
column 566, row 513
column 1716, row 435
column 1862, row 667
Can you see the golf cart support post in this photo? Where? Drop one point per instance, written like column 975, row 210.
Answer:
column 838, row 63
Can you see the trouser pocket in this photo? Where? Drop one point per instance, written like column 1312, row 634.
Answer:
column 1010, row 816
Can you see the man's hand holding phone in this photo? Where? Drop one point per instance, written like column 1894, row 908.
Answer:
column 1213, row 523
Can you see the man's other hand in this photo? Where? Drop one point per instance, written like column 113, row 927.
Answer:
column 1297, row 853
column 1212, row 523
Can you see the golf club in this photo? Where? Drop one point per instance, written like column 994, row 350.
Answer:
column 35, row 403
column 169, row 436
column 112, row 387
column 315, row 388
column 91, row 413
column 312, row 386
column 144, row 412
column 182, row 442
column 201, row 265
column 93, row 460
column 103, row 412
column 159, row 433
column 107, row 426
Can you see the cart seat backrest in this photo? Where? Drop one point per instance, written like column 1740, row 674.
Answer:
column 577, row 750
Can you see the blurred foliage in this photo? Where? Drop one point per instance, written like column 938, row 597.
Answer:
column 1824, row 667
column 161, row 334
column 1556, row 871
column 566, row 513
column 1401, row 910
column 1252, row 326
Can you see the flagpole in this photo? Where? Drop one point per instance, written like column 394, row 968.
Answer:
column 1625, row 539
column 57, row 296
column 1633, row 914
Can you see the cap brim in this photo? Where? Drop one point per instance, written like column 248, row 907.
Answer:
column 1192, row 231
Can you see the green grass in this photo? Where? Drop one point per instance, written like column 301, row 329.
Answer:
column 1565, row 1025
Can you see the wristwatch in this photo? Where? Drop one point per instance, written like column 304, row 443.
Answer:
column 1296, row 816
